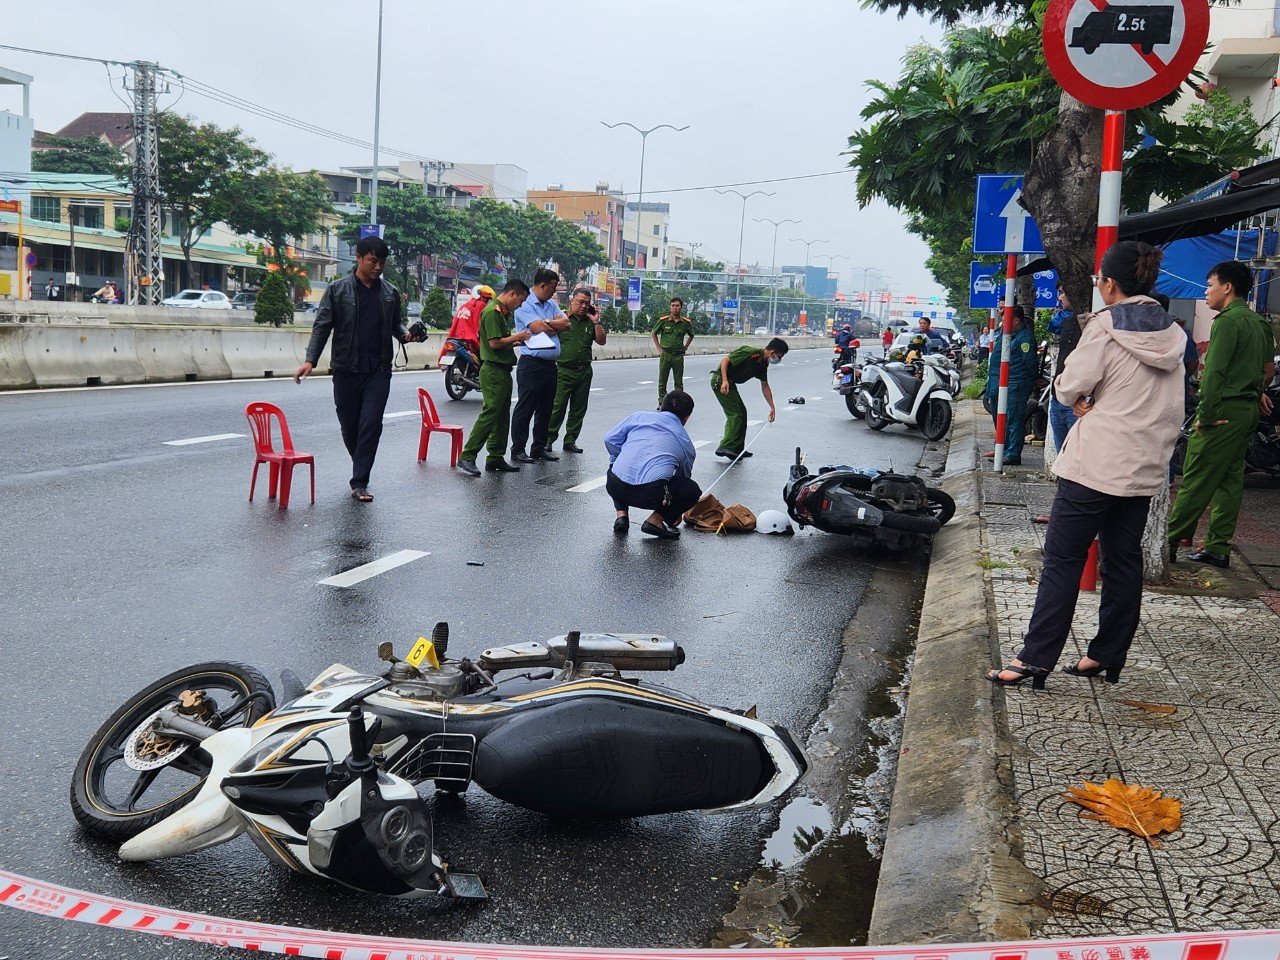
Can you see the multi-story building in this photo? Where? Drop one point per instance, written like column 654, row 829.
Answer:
column 645, row 230
column 598, row 211
column 1244, row 57
column 815, row 281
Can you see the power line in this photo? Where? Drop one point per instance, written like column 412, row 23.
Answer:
column 63, row 56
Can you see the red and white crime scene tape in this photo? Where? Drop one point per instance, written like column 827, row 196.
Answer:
column 63, row 903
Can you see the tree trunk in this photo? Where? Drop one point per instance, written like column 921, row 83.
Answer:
column 1155, row 539
column 1061, row 192
column 186, row 265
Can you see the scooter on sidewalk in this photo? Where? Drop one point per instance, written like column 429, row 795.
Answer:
column 916, row 394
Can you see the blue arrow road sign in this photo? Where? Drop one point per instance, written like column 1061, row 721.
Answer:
column 984, row 286
column 1046, row 282
column 1000, row 225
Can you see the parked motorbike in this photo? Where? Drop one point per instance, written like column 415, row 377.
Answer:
column 461, row 366
column 845, row 355
column 873, row 507
column 325, row 783
column 917, row 394
column 1262, row 455
column 847, row 379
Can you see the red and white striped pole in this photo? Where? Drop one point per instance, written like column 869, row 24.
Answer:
column 1002, row 398
column 1109, row 190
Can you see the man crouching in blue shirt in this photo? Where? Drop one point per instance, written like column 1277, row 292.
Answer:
column 651, row 466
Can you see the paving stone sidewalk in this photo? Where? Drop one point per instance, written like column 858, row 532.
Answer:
column 1213, row 661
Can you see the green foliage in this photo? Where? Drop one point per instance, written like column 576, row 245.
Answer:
column 642, row 321
column 278, row 205
column 623, row 320
column 274, row 305
column 435, row 309
column 609, row 317
column 80, row 155
column 123, row 224
column 201, row 169
column 975, row 388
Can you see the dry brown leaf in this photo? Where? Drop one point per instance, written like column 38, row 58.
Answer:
column 1163, row 709
column 1125, row 806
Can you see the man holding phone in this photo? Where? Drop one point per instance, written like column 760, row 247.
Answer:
column 573, row 370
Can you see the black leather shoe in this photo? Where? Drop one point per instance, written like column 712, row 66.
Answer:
column 1222, row 560
column 572, row 448
column 726, row 452
column 520, row 456
column 469, row 467
column 747, row 453
column 1173, row 553
column 545, row 455
column 500, row 466
column 661, row 532
column 621, row 525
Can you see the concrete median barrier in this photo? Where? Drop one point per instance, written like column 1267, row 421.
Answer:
column 46, row 344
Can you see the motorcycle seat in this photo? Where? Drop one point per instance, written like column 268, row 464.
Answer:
column 906, row 380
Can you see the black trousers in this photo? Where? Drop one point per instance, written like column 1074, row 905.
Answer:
column 536, row 383
column 670, row 498
column 1080, row 514
column 361, row 400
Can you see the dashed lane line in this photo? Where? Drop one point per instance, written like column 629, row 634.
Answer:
column 590, row 485
column 363, row 572
column 209, row 439
column 646, row 383
column 754, row 423
column 401, row 413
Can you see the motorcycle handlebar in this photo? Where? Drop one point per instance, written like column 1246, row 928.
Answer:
column 359, row 758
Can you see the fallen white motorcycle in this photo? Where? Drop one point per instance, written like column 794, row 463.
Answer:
column 915, row 394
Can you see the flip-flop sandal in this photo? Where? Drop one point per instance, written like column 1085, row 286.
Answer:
column 361, row 494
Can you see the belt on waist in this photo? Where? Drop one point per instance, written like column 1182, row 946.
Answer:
column 527, row 356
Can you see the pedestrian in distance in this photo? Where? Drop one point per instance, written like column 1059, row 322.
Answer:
column 362, row 312
column 651, row 467
column 498, row 355
column 1061, row 417
column 52, row 291
column 886, row 339
column 536, row 372
column 743, row 364
column 1024, row 365
column 672, row 335
column 1124, row 380
column 1237, row 368
column 573, row 370
column 984, row 348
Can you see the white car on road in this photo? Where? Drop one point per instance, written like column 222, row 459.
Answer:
column 199, row 299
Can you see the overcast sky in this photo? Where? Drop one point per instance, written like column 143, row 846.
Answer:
column 769, row 90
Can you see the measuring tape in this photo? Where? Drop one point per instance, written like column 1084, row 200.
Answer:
column 64, row 903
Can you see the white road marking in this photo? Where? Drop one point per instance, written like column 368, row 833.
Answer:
column 816, row 398
column 366, row 570
column 791, row 409
column 402, row 413
column 699, row 444
column 646, row 382
column 209, row 439
column 754, row 423
column 597, row 389
column 590, row 485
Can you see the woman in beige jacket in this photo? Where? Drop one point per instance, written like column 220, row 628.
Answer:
column 1125, row 383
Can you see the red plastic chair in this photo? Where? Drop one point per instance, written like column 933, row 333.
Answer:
column 431, row 424
column 281, row 461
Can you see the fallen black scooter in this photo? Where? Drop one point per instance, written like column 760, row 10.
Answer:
column 873, row 507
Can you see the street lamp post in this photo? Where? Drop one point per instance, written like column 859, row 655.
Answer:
column 831, row 259
column 377, row 125
column 773, row 271
column 807, row 245
column 644, row 139
column 742, row 226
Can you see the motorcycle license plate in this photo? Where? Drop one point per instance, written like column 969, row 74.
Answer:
column 847, row 379
column 447, row 361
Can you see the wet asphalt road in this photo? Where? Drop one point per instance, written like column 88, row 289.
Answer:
column 128, row 558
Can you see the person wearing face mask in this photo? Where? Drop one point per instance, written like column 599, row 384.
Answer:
column 1124, row 382
column 743, row 364
column 1237, row 367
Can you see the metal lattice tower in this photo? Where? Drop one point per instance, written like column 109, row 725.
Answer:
column 146, row 265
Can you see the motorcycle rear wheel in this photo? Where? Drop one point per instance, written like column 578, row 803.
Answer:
column 937, row 420
column 851, row 402
column 874, row 420
column 911, row 522
column 157, row 793
column 941, row 505
column 453, row 384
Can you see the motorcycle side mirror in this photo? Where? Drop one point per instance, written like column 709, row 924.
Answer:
column 386, row 651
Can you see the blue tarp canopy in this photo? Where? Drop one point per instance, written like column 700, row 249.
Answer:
column 1186, row 262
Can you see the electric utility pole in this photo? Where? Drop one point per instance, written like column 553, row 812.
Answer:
column 146, row 263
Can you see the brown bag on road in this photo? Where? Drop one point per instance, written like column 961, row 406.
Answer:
column 711, row 516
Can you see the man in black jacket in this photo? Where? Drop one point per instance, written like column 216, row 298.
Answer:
column 362, row 311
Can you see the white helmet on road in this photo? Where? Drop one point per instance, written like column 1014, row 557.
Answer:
column 773, row 521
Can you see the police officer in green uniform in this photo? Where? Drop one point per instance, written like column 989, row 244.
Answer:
column 1236, row 370
column 1024, row 365
column 573, row 370
column 672, row 335
column 739, row 367
column 498, row 358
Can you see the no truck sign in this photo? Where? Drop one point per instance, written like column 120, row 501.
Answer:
column 1118, row 56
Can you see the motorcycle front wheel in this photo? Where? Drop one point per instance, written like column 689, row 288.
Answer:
column 128, row 778
column 851, row 403
column 937, row 420
column 941, row 505
column 874, row 420
column 453, row 384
